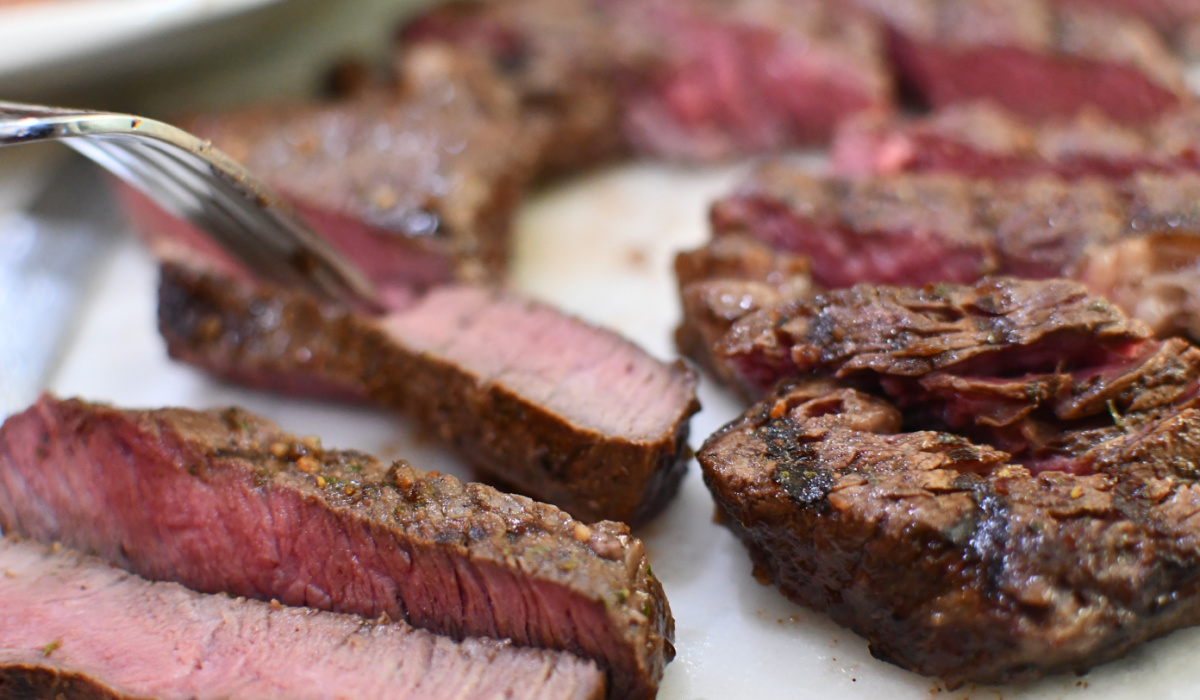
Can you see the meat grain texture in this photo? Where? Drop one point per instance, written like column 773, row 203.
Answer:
column 989, row 483
column 223, row 501
column 72, row 626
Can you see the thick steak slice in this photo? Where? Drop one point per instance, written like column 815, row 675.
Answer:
column 981, row 140
column 690, row 79
column 72, row 626
column 1032, row 57
column 565, row 412
column 224, row 501
column 417, row 184
column 1136, row 242
column 951, row 558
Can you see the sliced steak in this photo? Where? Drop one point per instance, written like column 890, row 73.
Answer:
column 416, row 184
column 224, row 501
column 1033, row 57
column 982, row 140
column 539, row 401
column 1136, row 241
column 690, row 79
column 955, row 558
column 72, row 626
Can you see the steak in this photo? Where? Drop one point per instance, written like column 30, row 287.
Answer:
column 1033, row 57
column 685, row 79
column 417, row 184
column 981, row 140
column 1134, row 241
column 1051, row 531
column 223, row 501
column 535, row 400
column 74, row 627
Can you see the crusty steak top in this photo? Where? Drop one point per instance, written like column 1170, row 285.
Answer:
column 72, row 626
column 566, row 412
column 1050, row 531
column 1033, row 57
column 1136, row 241
column 225, row 501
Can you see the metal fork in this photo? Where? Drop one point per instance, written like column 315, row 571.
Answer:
column 194, row 181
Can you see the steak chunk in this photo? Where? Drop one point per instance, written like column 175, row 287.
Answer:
column 982, row 140
column 690, row 79
column 1033, row 57
column 563, row 411
column 1050, row 532
column 72, row 626
column 224, row 501
column 1135, row 241
column 416, row 183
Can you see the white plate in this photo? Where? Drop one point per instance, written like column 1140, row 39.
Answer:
column 601, row 247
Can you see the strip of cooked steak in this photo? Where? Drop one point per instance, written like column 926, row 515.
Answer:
column 1032, row 56
column 1136, row 242
column 225, row 501
column 982, row 140
column 726, row 279
column 690, row 79
column 72, row 626
column 416, row 184
column 952, row 557
column 541, row 402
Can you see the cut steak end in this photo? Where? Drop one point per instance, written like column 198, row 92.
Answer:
column 72, row 626
column 1051, row 531
column 224, row 501
column 565, row 412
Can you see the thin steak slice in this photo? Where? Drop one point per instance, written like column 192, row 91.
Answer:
column 951, row 558
column 981, row 140
column 222, row 501
column 1051, row 531
column 1136, row 241
column 539, row 401
column 417, row 184
column 1032, row 56
column 72, row 626
column 689, row 79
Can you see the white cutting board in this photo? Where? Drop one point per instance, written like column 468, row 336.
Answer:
column 601, row 247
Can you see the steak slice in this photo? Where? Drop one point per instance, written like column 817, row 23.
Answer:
column 222, row 501
column 72, row 626
column 565, row 412
column 1135, row 241
column 686, row 79
column 1033, row 57
column 417, row 184
column 982, row 140
column 951, row 559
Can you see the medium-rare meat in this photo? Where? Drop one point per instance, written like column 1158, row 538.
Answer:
column 690, row 79
column 72, row 626
column 1135, row 241
column 982, row 140
column 225, row 501
column 417, row 184
column 1033, row 57
column 726, row 279
column 534, row 399
column 1050, row 532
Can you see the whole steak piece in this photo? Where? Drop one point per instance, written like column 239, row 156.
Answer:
column 72, row 626
column 534, row 399
column 979, row 139
column 1135, row 241
column 223, row 501
column 687, row 79
column 1034, row 57
column 1051, row 531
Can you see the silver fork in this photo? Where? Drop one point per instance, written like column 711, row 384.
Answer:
column 194, row 181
